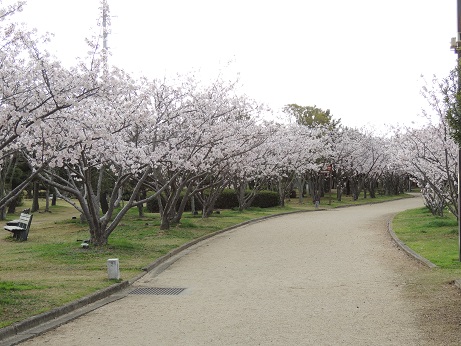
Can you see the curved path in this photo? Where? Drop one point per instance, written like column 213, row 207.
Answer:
column 320, row 278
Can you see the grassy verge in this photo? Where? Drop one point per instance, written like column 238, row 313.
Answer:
column 433, row 237
column 51, row 268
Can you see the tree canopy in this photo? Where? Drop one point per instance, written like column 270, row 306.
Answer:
column 96, row 136
column 311, row 116
column 449, row 88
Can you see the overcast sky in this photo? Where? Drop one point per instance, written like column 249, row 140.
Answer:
column 362, row 59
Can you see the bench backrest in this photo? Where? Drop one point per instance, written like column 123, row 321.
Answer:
column 25, row 220
column 28, row 225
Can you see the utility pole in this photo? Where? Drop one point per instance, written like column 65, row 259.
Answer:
column 105, row 8
column 104, row 24
column 458, row 51
column 456, row 46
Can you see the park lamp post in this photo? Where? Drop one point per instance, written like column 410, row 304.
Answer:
column 456, row 46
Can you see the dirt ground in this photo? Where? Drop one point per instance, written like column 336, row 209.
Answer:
column 319, row 278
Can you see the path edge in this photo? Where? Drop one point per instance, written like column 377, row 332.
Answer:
column 164, row 261
column 405, row 248
column 21, row 331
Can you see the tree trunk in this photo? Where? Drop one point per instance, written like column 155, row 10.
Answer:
column 54, row 199
column 165, row 221
column 140, row 210
column 372, row 188
column 160, row 204
column 103, row 202
column 241, row 196
column 192, row 204
column 300, row 181
column 167, row 213
column 47, row 200
column 281, row 193
column 363, row 187
column 339, row 193
column 245, row 194
column 321, row 184
column 35, row 204
column 99, row 237
column 182, row 206
column 339, row 185
column 354, row 186
column 141, row 196
column 12, row 206
column 209, row 200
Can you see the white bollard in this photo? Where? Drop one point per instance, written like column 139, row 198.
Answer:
column 113, row 269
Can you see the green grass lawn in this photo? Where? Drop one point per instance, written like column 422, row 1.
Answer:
column 51, row 268
column 433, row 237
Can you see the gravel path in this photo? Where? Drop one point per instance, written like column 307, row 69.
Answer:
column 320, row 278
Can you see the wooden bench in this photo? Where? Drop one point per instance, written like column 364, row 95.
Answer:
column 16, row 222
column 20, row 228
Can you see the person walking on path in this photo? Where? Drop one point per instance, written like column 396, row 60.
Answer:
column 320, row 278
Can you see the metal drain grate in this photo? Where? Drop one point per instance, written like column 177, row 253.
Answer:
column 158, row 291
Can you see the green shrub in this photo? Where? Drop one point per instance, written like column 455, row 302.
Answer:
column 42, row 194
column 266, row 199
column 153, row 207
column 227, row 200
column 263, row 199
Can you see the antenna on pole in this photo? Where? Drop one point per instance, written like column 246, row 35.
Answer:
column 105, row 32
column 104, row 23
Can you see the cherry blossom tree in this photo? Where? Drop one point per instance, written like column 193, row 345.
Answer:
column 110, row 144
column 212, row 126
column 296, row 150
column 35, row 88
column 96, row 135
column 429, row 155
column 251, row 171
column 361, row 162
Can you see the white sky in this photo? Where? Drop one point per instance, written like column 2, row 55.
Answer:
column 362, row 59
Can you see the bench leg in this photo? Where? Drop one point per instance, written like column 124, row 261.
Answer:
column 22, row 235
